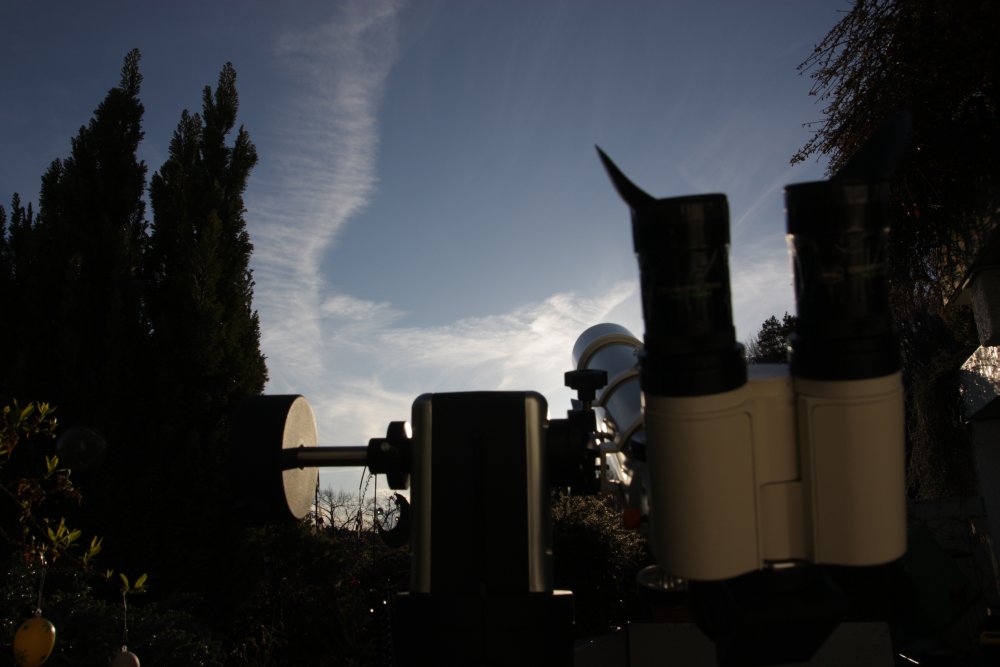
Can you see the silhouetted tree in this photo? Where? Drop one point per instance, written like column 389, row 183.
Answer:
column 938, row 60
column 770, row 344
column 204, row 333
column 6, row 292
column 200, row 286
column 75, row 304
column 148, row 338
column 77, row 276
column 17, row 293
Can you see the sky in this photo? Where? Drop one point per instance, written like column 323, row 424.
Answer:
column 429, row 213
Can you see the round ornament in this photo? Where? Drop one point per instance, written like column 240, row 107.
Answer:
column 125, row 659
column 33, row 642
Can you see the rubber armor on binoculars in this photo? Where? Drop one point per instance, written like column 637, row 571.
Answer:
column 784, row 464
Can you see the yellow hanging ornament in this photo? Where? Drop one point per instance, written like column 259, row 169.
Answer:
column 34, row 641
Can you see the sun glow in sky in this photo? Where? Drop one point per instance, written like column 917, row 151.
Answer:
column 429, row 213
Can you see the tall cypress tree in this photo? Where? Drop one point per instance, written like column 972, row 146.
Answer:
column 17, row 257
column 199, row 284
column 75, row 270
column 6, row 296
column 77, row 275
column 205, row 334
column 80, row 269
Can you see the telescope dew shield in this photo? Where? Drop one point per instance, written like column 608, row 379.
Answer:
column 845, row 365
column 613, row 348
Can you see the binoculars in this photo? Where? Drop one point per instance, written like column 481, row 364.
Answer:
column 769, row 466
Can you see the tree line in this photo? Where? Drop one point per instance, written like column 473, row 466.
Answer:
column 142, row 331
column 143, row 336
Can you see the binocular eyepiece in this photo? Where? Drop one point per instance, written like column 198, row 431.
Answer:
column 837, row 234
column 682, row 244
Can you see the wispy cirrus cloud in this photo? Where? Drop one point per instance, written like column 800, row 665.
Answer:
column 322, row 173
column 356, row 360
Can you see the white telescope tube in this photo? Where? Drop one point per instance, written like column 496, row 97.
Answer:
column 613, row 348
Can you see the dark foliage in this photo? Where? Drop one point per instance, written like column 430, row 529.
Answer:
column 940, row 62
column 146, row 335
column 597, row 559
column 322, row 597
column 770, row 344
column 204, row 335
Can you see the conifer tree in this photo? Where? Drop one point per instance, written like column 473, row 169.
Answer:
column 5, row 267
column 79, row 268
column 147, row 336
column 15, row 291
column 200, row 286
column 205, row 334
column 770, row 344
column 6, row 295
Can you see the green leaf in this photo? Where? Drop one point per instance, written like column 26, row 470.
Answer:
column 95, row 548
column 124, row 579
column 140, row 583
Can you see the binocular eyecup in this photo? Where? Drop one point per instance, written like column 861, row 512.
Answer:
column 838, row 238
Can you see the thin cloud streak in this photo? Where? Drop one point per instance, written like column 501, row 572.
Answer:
column 359, row 367
column 331, row 137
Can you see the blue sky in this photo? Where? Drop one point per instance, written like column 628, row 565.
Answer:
column 429, row 213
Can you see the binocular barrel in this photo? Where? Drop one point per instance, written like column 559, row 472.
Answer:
column 838, row 237
column 845, row 363
column 682, row 246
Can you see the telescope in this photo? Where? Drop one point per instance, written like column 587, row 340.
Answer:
column 479, row 466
